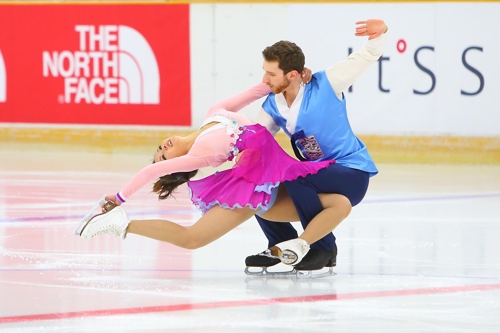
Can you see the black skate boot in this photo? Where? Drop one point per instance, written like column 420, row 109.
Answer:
column 262, row 261
column 333, row 260
column 288, row 252
column 316, row 260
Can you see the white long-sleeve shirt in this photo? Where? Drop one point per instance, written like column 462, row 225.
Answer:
column 341, row 76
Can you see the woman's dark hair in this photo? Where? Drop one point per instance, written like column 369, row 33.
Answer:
column 165, row 185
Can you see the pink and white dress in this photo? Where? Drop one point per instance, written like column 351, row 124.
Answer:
column 261, row 164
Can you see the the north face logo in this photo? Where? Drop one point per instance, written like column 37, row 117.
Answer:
column 114, row 65
column 3, row 80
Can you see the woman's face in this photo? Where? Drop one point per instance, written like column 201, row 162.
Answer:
column 170, row 148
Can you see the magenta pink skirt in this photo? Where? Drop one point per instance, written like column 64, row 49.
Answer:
column 262, row 167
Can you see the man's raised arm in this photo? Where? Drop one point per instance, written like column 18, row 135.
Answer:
column 343, row 74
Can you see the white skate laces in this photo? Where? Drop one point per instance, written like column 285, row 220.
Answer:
column 115, row 222
column 290, row 252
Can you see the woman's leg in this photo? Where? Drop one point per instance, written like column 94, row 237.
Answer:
column 212, row 225
column 336, row 208
column 283, row 209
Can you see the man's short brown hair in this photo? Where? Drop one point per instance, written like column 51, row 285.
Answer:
column 289, row 56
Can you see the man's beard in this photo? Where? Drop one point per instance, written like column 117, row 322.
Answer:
column 280, row 88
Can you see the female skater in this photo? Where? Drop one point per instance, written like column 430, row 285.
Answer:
column 227, row 198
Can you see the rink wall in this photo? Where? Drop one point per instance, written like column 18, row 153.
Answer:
column 110, row 75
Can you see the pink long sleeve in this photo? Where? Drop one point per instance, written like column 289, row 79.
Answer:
column 209, row 150
column 237, row 102
column 201, row 155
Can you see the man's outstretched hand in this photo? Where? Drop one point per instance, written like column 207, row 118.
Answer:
column 373, row 28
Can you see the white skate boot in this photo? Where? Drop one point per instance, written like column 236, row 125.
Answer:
column 114, row 221
column 291, row 251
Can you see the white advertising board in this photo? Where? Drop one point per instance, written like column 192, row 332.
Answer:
column 440, row 74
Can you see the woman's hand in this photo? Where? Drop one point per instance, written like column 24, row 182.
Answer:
column 113, row 199
column 306, row 76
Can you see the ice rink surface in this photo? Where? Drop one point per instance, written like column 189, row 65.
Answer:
column 421, row 253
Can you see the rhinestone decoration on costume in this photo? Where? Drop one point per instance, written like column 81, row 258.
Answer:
column 234, row 130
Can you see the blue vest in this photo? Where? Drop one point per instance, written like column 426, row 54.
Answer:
column 323, row 115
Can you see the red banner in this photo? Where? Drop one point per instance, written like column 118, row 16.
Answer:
column 95, row 64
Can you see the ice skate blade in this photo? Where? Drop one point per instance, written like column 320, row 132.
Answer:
column 307, row 275
column 106, row 206
column 264, row 272
column 293, row 274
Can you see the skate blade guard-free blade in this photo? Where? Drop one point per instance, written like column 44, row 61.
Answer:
column 102, row 204
column 293, row 274
column 305, row 275
column 264, row 272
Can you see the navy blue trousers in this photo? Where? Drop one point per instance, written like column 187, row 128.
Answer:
column 335, row 178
